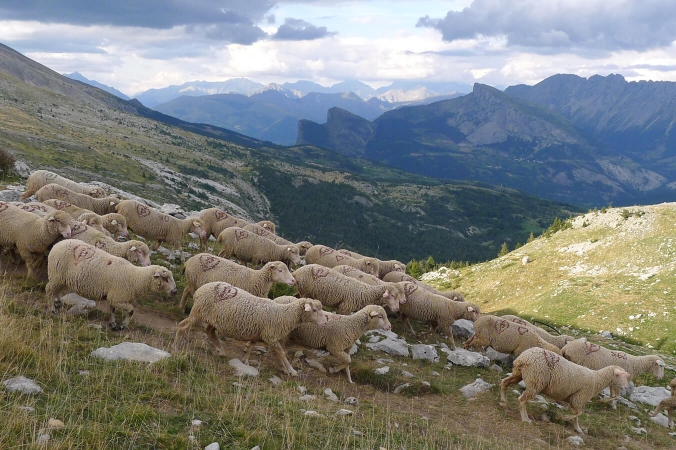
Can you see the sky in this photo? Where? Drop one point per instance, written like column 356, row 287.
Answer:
column 136, row 45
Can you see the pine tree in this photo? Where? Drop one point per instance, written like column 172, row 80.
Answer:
column 531, row 238
column 503, row 250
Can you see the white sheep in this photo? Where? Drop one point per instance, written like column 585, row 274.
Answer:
column 547, row 372
column 251, row 248
column 397, row 276
column 103, row 205
column 114, row 224
column 341, row 333
column 205, row 268
column 357, row 274
column 667, row 403
column 437, row 311
column 216, row 220
column 34, row 207
column 303, row 247
column 75, row 266
column 266, row 233
column 328, row 257
column 593, row 356
column 236, row 314
column 560, row 341
column 136, row 252
column 61, row 205
column 384, row 267
column 93, row 220
column 505, row 336
column 343, row 293
column 153, row 224
column 41, row 178
column 31, row 234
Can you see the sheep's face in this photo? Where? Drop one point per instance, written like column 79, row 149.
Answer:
column 198, row 228
column 371, row 266
column 303, row 247
column 620, row 378
column 658, row 369
column 118, row 226
column 314, row 313
column 377, row 318
column 112, row 203
column 96, row 192
column 399, row 267
column 138, row 253
column 391, row 300
column 293, row 254
column 269, row 226
column 279, row 273
column 472, row 312
column 60, row 221
column 163, row 281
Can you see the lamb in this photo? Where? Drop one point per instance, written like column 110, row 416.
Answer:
column 560, row 341
column 341, row 333
column 595, row 357
column 75, row 266
column 41, row 178
column 103, row 205
column 343, row 293
column 505, row 336
column 668, row 403
column 396, row 276
column 114, row 224
column 205, row 268
column 357, row 274
column 251, row 248
column 136, row 252
column 436, row 310
column 153, row 224
column 236, row 314
column 31, row 234
column 264, row 232
column 547, row 372
column 328, row 257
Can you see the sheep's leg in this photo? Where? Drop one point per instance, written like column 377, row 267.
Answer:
column 215, row 341
column 469, row 342
column 184, row 326
column 344, row 361
column 658, row 409
column 184, row 298
column 670, row 422
column 53, row 291
column 112, row 323
column 528, row 394
column 247, row 351
column 129, row 308
column 281, row 354
column 448, row 329
column 407, row 321
column 577, row 412
column 512, row 379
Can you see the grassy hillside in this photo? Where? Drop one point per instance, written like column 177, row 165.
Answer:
column 613, row 270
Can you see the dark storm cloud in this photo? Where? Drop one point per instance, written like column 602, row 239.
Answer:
column 300, row 30
column 563, row 24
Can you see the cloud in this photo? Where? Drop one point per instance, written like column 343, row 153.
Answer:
column 300, row 30
column 563, row 24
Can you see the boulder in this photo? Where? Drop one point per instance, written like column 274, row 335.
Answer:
column 23, row 385
column 426, row 352
column 463, row 328
column 650, row 395
column 242, row 369
column 132, row 351
column 475, row 388
column 462, row 357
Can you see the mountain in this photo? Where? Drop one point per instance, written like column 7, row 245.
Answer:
column 154, row 97
column 443, row 88
column 79, row 77
column 491, row 136
column 53, row 122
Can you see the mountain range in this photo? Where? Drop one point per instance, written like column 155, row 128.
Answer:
column 584, row 141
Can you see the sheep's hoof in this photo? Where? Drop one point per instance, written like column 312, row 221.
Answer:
column 114, row 326
column 503, row 404
column 292, row 373
column 333, row 370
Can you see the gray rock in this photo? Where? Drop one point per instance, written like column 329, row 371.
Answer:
column 384, row 361
column 28, row 409
column 354, row 349
column 43, row 438
column 426, row 383
column 306, row 398
column 242, row 369
column 356, row 432
column 193, row 246
column 312, row 414
column 23, row 385
column 315, row 364
column 256, row 448
column 21, row 169
column 496, row 368
column 302, row 390
column 400, row 388
column 463, row 328
column 475, row 388
column 173, row 210
column 575, row 440
column 9, row 196
column 79, row 305
column 462, row 357
column 607, row 334
column 504, row 359
column 407, row 374
column 637, row 430
column 351, row 401
column 213, row 446
column 374, row 339
column 382, row 370
column 329, row 395
column 436, row 374
column 275, row 380
column 649, row 395
column 426, row 352
column 397, row 347
column 661, row 419
column 132, row 351
column 344, row 412
column 166, row 253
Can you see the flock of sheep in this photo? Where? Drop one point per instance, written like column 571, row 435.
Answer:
column 75, row 229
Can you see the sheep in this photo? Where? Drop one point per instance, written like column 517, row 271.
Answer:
column 34, row 207
column 341, row 333
column 92, row 273
column 547, row 372
column 236, row 314
column 215, row 221
column 343, row 293
column 357, row 274
column 153, row 224
column 396, row 276
column 41, row 178
column 264, row 232
column 560, row 341
column 251, row 248
column 93, row 220
column 303, row 247
column 205, row 268
column 505, row 336
column 392, row 265
column 328, row 257
column 595, row 357
column 270, row 226
column 61, row 205
column 136, row 252
column 114, row 224
column 436, row 310
column 31, row 234
column 668, row 403
column 103, row 205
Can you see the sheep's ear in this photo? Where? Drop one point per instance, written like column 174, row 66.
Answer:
column 386, row 293
column 470, row 309
column 113, row 222
column 660, row 362
column 288, row 249
column 112, row 203
column 51, row 218
column 308, row 307
column 373, row 313
column 133, row 248
column 621, row 373
column 156, row 275
column 196, row 224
